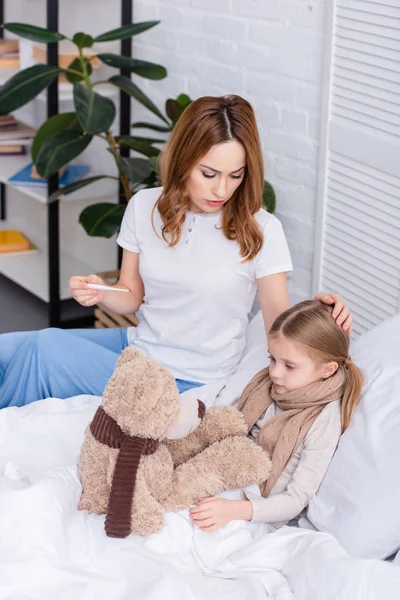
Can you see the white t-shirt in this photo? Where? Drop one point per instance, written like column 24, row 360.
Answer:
column 198, row 293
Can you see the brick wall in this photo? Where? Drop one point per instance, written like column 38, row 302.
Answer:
column 271, row 52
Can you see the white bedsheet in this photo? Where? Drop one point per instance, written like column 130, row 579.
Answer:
column 50, row 550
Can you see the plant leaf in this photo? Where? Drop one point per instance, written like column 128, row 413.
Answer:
column 183, row 100
column 269, row 197
column 31, row 32
column 173, row 109
column 77, row 66
column 138, row 144
column 125, row 32
column 127, row 86
column 134, row 65
column 77, row 185
column 83, row 40
column 102, row 219
column 95, row 113
column 53, row 125
column 136, row 169
column 60, row 150
column 25, row 85
column 152, row 126
column 143, row 139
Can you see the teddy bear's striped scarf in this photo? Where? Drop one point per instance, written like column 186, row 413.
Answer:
column 131, row 448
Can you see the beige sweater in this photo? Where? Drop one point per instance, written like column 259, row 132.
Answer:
column 304, row 472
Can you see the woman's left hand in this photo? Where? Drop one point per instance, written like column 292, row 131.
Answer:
column 341, row 312
column 211, row 513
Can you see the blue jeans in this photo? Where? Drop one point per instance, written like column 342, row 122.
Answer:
column 60, row 363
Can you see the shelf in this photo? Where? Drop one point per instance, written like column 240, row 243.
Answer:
column 31, row 271
column 100, row 189
column 64, row 89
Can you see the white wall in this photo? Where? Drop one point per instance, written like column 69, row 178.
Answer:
column 271, row 52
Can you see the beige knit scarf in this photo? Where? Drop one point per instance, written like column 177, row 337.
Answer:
column 283, row 433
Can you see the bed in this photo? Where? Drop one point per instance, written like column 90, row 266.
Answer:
column 50, row 550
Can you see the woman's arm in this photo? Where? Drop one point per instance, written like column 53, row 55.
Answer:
column 115, row 301
column 274, row 299
column 130, row 279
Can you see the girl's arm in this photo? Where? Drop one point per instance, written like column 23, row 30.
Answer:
column 317, row 452
column 274, row 299
column 211, row 513
column 319, row 447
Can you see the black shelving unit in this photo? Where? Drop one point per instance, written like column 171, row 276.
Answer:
column 53, row 223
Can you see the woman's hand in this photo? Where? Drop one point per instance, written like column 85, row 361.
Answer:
column 81, row 293
column 211, row 513
column 341, row 312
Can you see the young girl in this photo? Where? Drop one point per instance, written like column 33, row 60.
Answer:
column 296, row 409
column 195, row 253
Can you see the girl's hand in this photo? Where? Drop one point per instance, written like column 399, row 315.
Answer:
column 82, row 294
column 211, row 513
column 341, row 312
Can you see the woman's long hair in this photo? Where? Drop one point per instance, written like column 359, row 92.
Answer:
column 205, row 123
column 310, row 324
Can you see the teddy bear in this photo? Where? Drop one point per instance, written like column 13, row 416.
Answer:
column 148, row 450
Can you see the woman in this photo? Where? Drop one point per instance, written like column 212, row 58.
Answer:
column 195, row 253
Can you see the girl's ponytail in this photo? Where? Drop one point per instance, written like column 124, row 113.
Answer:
column 353, row 386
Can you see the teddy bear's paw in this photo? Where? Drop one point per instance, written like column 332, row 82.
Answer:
column 92, row 505
column 84, row 504
column 223, row 421
column 234, row 462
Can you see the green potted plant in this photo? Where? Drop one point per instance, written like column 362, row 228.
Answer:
column 64, row 136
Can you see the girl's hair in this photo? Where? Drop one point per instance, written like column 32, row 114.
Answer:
column 310, row 324
column 205, row 123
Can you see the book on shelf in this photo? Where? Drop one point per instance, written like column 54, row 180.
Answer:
column 24, row 177
column 9, row 54
column 15, row 131
column 9, row 62
column 8, row 46
column 7, row 121
column 18, row 142
column 12, row 150
column 14, row 243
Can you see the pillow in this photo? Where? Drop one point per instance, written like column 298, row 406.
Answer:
column 359, row 499
column 254, row 358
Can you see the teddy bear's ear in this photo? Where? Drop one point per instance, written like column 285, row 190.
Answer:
column 130, row 354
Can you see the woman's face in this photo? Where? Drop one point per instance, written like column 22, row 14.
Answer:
column 216, row 177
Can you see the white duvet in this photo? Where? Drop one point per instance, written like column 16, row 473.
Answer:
column 50, row 550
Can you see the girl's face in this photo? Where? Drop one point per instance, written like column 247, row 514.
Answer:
column 290, row 366
column 216, row 177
